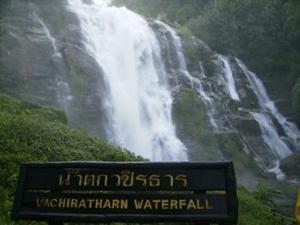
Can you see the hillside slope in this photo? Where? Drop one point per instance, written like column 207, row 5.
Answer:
column 29, row 132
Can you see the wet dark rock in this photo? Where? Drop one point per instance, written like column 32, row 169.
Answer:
column 291, row 166
column 43, row 39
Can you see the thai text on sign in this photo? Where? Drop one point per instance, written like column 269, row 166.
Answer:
column 127, row 192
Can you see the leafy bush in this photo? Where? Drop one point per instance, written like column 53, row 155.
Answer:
column 184, row 30
column 252, row 211
column 16, row 107
column 29, row 132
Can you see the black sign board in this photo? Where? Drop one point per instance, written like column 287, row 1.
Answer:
column 127, row 192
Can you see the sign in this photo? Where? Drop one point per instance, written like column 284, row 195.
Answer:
column 127, row 192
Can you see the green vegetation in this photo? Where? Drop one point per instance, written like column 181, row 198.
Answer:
column 12, row 106
column 192, row 124
column 9, row 82
column 254, row 211
column 29, row 132
column 183, row 29
column 190, row 114
column 233, row 149
column 264, row 34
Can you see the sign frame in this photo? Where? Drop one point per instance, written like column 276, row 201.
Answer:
column 18, row 212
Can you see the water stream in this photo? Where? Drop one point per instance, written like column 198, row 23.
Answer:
column 139, row 102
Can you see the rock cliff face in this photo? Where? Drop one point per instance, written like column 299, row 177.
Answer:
column 44, row 60
column 220, row 108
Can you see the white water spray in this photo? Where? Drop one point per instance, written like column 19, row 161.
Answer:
column 139, row 103
column 228, row 78
column 196, row 83
column 268, row 105
column 64, row 93
column 46, row 31
column 277, row 146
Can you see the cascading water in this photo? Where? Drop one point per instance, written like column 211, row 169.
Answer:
column 196, row 83
column 278, row 148
column 228, row 78
column 139, row 103
column 114, row 75
column 56, row 53
column 265, row 102
column 64, row 93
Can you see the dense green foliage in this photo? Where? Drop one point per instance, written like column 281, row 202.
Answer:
column 264, row 34
column 255, row 209
column 32, row 133
column 16, row 107
column 191, row 120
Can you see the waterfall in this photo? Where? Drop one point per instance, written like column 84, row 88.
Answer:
column 64, row 95
column 268, row 105
column 228, row 78
column 139, row 102
column 196, row 83
column 56, row 53
column 277, row 147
